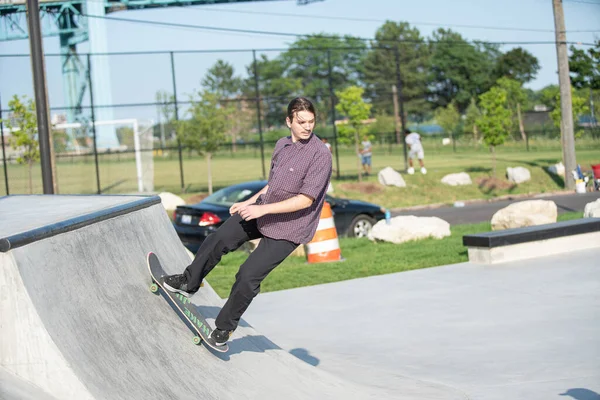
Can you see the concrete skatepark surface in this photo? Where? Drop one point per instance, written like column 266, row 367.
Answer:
column 524, row 330
column 79, row 322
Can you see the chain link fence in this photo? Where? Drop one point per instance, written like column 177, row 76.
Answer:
column 114, row 130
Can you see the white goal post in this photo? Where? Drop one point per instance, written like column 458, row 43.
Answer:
column 143, row 144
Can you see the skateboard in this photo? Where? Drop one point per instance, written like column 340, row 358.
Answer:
column 185, row 306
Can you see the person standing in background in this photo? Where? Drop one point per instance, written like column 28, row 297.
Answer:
column 365, row 154
column 413, row 140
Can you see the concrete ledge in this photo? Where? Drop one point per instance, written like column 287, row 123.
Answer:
column 508, row 237
column 533, row 249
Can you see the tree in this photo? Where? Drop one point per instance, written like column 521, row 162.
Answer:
column 460, row 70
column 517, row 64
column 204, row 130
column 496, row 120
column 580, row 107
column 516, row 97
column 449, row 119
column 352, row 105
column 380, row 68
column 221, row 80
column 547, row 96
column 585, row 67
column 23, row 127
column 274, row 86
column 307, row 59
column 472, row 114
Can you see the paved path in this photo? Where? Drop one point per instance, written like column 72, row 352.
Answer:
column 480, row 212
column 524, row 330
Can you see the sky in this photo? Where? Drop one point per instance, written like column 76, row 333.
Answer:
column 135, row 79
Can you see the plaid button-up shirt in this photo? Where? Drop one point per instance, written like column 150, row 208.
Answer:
column 303, row 167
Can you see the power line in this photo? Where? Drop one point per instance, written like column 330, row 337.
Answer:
column 289, row 34
column 581, row 1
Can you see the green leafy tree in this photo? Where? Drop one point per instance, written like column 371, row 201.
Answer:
column 380, row 69
column 307, row 60
column 496, row 119
column 449, row 119
column 517, row 64
column 472, row 114
column 222, row 80
column 585, row 67
column 275, row 88
column 547, row 95
column 23, row 127
column 204, row 130
column 460, row 70
column 579, row 106
column 516, row 98
column 352, row 105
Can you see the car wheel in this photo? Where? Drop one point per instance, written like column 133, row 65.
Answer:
column 360, row 226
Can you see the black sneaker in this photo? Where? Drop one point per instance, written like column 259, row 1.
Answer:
column 177, row 283
column 220, row 337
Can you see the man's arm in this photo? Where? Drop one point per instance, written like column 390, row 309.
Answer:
column 296, row 203
column 237, row 206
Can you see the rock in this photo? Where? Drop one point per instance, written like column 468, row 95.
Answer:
column 405, row 228
column 170, row 201
column 525, row 213
column 389, row 177
column 462, row 178
column 557, row 169
column 592, row 210
column 518, row 174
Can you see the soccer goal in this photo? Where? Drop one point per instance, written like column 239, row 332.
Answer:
column 81, row 141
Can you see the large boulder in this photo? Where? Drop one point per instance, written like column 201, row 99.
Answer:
column 518, row 174
column 170, row 201
column 461, row 178
column 406, row 228
column 525, row 213
column 592, row 210
column 557, row 169
column 389, row 177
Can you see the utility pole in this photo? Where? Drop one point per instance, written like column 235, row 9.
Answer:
column 41, row 93
column 566, row 107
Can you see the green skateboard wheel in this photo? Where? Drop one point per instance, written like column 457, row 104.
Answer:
column 154, row 288
column 197, row 339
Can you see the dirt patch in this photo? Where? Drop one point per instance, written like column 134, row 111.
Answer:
column 362, row 187
column 494, row 184
column 197, row 198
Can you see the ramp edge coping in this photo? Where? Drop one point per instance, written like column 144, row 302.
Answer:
column 513, row 236
column 71, row 224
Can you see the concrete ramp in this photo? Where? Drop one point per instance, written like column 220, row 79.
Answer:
column 79, row 322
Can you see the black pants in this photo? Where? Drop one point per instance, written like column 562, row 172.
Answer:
column 231, row 235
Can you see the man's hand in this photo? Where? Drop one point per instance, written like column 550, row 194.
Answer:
column 237, row 206
column 250, row 212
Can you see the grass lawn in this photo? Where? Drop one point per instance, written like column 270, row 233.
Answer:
column 118, row 172
column 362, row 258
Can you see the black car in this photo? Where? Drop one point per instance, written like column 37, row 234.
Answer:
column 193, row 223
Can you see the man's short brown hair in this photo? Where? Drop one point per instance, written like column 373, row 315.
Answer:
column 300, row 104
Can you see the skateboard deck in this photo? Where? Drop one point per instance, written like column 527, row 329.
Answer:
column 183, row 304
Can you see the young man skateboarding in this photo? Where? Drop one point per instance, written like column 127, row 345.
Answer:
column 284, row 214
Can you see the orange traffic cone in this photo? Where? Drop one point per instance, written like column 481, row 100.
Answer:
column 324, row 246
